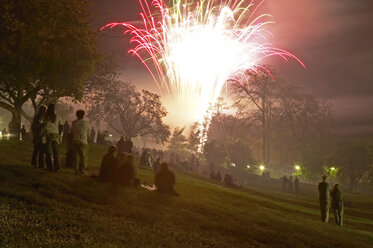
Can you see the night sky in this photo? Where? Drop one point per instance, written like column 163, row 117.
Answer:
column 334, row 38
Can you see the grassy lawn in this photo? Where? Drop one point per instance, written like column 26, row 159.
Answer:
column 46, row 209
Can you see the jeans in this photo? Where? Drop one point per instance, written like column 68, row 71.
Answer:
column 81, row 157
column 52, row 149
column 324, row 210
column 338, row 214
column 38, row 154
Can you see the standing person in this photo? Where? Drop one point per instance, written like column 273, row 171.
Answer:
column 157, row 165
column 92, row 136
column 80, row 134
column 52, row 129
column 121, row 145
column 296, row 184
column 38, row 154
column 291, row 184
column 128, row 145
column 285, row 182
column 165, row 180
column 324, row 198
column 337, row 204
column 23, row 132
column 66, row 131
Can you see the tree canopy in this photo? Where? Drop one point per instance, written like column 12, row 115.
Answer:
column 47, row 49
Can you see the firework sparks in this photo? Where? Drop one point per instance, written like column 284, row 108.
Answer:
column 192, row 48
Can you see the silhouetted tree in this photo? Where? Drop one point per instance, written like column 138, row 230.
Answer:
column 264, row 92
column 354, row 158
column 129, row 112
column 177, row 142
column 47, row 47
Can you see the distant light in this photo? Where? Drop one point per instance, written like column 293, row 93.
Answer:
column 248, row 166
column 110, row 135
column 261, row 167
column 233, row 164
column 297, row 167
column 332, row 168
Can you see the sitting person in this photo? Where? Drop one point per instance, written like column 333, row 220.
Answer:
column 126, row 171
column 218, row 176
column 228, row 180
column 108, row 166
column 165, row 181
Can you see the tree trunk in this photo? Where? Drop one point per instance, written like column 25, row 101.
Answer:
column 15, row 123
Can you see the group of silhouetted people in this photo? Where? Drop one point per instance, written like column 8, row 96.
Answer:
column 118, row 167
column 228, row 179
column 336, row 202
column 289, row 184
column 47, row 129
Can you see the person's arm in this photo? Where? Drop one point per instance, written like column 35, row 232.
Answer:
column 60, row 125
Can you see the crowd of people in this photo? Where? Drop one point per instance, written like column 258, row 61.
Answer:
column 117, row 166
column 290, row 184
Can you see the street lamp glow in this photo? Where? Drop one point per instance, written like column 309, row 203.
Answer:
column 248, row 166
column 261, row 167
column 332, row 168
column 297, row 167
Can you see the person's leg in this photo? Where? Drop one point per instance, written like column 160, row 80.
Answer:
column 76, row 158
column 336, row 216
column 56, row 157
column 42, row 153
column 324, row 211
column 340, row 217
column 48, row 155
column 35, row 153
column 83, row 152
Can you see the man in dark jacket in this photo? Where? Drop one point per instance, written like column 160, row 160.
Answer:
column 337, row 204
column 128, row 145
column 324, row 199
column 165, row 181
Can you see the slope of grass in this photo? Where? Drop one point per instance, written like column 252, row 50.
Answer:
column 46, row 209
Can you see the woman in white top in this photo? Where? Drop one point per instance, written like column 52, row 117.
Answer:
column 52, row 130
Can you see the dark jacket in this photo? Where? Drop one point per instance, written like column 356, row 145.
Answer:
column 165, row 181
column 337, row 199
column 324, row 191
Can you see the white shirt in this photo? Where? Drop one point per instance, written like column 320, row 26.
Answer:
column 52, row 127
column 80, row 131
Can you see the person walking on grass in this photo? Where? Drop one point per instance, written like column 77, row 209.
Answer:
column 80, row 135
column 337, row 204
column 324, row 199
column 38, row 154
column 52, row 130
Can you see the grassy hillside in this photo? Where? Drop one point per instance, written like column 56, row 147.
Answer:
column 46, row 209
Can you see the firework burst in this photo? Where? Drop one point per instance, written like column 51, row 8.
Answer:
column 192, row 48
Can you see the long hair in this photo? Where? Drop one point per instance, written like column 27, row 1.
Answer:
column 40, row 114
column 50, row 115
